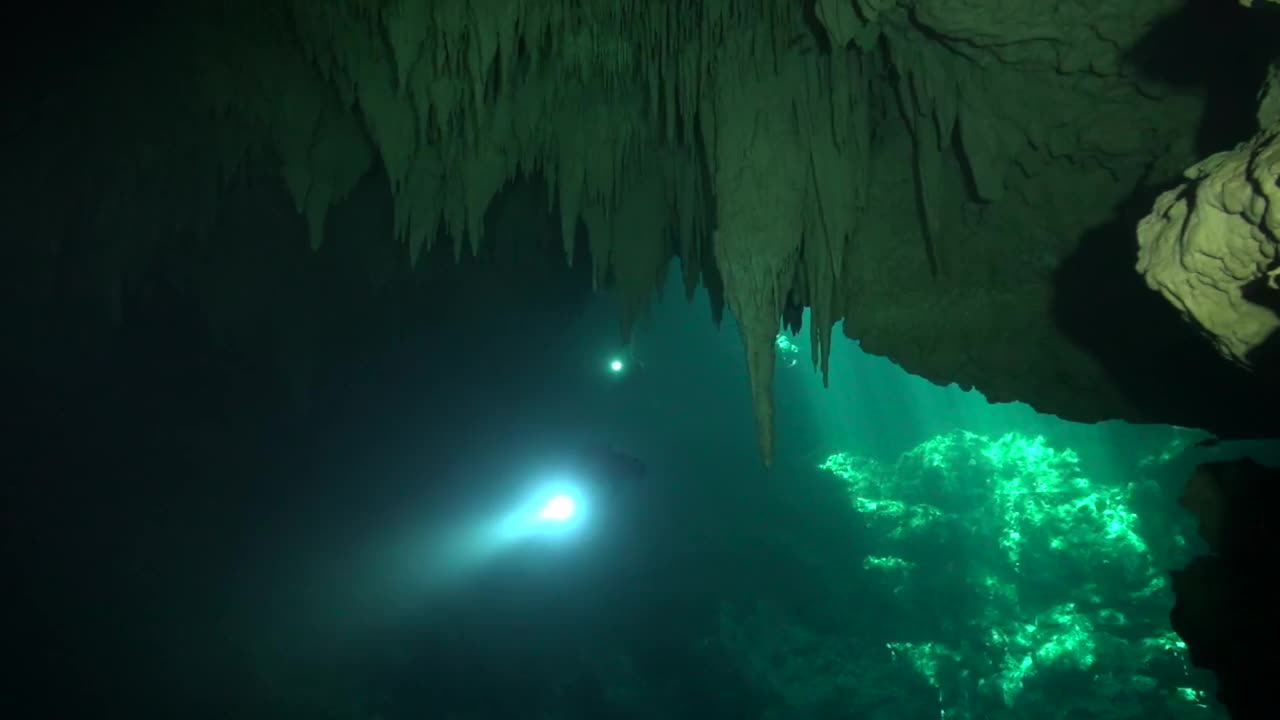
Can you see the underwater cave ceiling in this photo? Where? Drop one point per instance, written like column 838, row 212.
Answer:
column 958, row 180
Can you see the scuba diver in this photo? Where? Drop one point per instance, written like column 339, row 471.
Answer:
column 612, row 471
column 625, row 367
column 626, row 364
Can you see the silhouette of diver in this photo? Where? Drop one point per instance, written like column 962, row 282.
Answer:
column 610, row 468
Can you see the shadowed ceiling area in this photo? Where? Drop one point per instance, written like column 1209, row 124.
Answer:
column 959, row 183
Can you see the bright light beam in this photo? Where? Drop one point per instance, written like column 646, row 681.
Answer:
column 558, row 509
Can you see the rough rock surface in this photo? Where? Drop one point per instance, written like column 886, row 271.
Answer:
column 1212, row 247
column 1225, row 609
column 955, row 180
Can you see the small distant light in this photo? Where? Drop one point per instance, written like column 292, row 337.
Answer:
column 558, row 509
column 616, row 366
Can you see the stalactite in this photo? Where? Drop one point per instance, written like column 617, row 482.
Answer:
column 644, row 118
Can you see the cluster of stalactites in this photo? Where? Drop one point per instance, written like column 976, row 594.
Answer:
column 644, row 118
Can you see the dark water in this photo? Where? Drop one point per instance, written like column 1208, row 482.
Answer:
column 180, row 546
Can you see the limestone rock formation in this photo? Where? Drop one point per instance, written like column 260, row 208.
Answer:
column 1225, row 609
column 955, row 181
column 1211, row 247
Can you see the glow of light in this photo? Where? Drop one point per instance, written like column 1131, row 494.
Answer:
column 558, row 509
